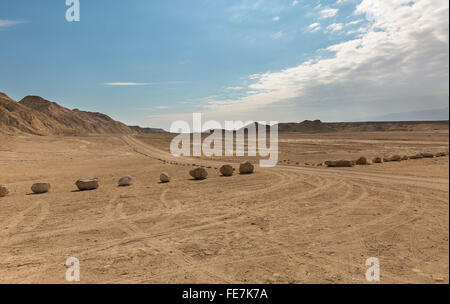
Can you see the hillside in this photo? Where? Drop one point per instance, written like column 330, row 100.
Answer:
column 35, row 115
column 147, row 130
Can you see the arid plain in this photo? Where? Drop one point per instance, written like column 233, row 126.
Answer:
column 295, row 223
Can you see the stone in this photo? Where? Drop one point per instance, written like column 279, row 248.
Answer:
column 226, row 170
column 164, row 177
column 87, row 184
column 362, row 161
column 3, row 191
column 396, row 158
column 41, row 187
column 125, row 181
column 246, row 168
column 199, row 173
column 377, row 160
column 340, row 163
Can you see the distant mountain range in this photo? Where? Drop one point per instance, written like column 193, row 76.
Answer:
column 434, row 114
column 318, row 126
column 35, row 115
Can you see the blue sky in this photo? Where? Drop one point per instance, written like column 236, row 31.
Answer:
column 152, row 62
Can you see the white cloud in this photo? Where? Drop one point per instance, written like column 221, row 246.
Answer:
column 400, row 62
column 128, row 83
column 162, row 107
column 314, row 27
column 234, row 88
column 276, row 18
column 9, row 23
column 328, row 13
column 295, row 3
column 335, row 27
column 354, row 22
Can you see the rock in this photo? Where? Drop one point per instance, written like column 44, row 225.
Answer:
column 440, row 154
column 125, row 181
column 340, row 163
column 418, row 156
column 377, row 160
column 226, row 170
column 199, row 173
column 428, row 155
column 405, row 157
column 246, row 168
column 362, row 161
column 396, row 158
column 87, row 184
column 42, row 187
column 164, row 177
column 3, row 191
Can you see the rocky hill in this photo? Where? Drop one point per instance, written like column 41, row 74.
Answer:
column 35, row 115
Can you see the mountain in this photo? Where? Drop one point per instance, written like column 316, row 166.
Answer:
column 433, row 114
column 35, row 115
column 147, row 130
column 318, row 126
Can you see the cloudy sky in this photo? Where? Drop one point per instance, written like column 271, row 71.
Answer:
column 153, row 62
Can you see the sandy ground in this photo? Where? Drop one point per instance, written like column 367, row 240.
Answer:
column 294, row 223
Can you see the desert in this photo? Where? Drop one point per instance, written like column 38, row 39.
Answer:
column 298, row 222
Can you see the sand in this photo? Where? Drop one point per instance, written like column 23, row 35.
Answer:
column 288, row 224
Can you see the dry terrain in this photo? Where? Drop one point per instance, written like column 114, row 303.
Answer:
column 294, row 223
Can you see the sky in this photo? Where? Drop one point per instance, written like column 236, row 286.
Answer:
column 150, row 63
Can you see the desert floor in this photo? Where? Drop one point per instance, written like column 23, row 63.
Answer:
column 294, row 223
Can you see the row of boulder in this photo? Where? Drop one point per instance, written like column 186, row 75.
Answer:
column 378, row 160
column 92, row 183
column 44, row 187
column 226, row 170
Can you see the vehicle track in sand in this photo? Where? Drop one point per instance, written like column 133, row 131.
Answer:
column 353, row 183
column 283, row 224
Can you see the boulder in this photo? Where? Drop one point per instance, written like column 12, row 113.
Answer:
column 125, row 181
column 377, row 160
column 396, row 158
column 440, row 154
column 226, row 170
column 428, row 155
column 164, row 177
column 3, row 191
column 246, row 168
column 42, row 187
column 362, row 161
column 87, row 184
column 340, row 163
column 405, row 157
column 418, row 156
column 199, row 173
